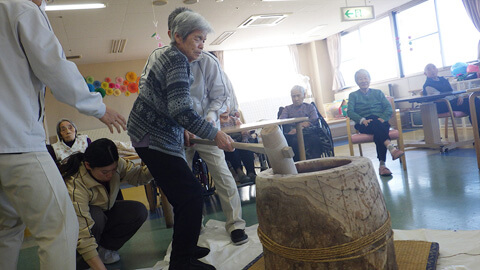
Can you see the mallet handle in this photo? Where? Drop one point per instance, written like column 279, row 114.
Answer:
column 254, row 147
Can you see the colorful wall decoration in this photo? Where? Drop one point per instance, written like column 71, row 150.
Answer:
column 114, row 87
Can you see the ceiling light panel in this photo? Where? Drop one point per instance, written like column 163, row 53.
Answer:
column 263, row 20
column 222, row 37
column 75, row 7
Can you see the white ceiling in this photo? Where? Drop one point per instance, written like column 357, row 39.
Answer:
column 89, row 32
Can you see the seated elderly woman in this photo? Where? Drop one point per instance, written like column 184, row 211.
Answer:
column 371, row 110
column 93, row 181
column 435, row 84
column 69, row 141
column 301, row 109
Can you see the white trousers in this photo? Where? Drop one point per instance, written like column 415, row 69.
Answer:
column 224, row 183
column 33, row 193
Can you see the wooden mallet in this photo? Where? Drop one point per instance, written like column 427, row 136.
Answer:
column 274, row 146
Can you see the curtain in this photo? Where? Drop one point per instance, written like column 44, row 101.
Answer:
column 219, row 55
column 301, row 79
column 473, row 11
column 334, row 49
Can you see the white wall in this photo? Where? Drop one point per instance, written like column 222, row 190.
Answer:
column 55, row 110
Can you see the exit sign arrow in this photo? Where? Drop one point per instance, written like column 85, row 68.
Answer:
column 348, row 13
column 357, row 13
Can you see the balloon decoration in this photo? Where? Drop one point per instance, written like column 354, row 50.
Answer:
column 115, row 87
column 97, row 84
column 132, row 87
column 89, row 79
column 91, row 88
column 101, row 91
column 131, row 76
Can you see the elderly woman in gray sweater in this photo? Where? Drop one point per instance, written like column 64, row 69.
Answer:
column 158, row 125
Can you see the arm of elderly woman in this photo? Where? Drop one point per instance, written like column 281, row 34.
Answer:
column 181, row 109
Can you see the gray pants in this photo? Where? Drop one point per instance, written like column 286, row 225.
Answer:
column 224, row 183
column 33, row 193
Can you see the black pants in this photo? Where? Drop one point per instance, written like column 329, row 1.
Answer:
column 311, row 142
column 238, row 156
column 380, row 134
column 184, row 192
column 114, row 227
column 464, row 107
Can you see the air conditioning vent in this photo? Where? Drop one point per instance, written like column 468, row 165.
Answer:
column 72, row 57
column 263, row 20
column 118, row 45
column 222, row 37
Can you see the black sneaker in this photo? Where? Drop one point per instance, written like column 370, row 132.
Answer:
column 238, row 237
column 200, row 252
column 193, row 264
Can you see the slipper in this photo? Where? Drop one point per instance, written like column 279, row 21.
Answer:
column 397, row 153
column 384, row 171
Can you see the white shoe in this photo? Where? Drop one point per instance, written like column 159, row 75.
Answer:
column 108, row 256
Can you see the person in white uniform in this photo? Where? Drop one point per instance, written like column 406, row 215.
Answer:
column 210, row 95
column 32, row 191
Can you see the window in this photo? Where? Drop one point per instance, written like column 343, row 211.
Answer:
column 459, row 35
column 434, row 31
column 418, row 37
column 262, row 79
column 365, row 48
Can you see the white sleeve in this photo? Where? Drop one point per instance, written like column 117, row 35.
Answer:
column 217, row 88
column 48, row 62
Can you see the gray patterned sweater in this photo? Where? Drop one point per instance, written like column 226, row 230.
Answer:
column 164, row 108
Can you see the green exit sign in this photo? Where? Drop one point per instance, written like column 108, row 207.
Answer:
column 357, row 13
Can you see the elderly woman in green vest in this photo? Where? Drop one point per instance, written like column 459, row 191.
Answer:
column 371, row 110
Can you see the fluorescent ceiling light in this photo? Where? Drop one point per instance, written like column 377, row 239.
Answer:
column 314, row 31
column 75, row 7
column 222, row 37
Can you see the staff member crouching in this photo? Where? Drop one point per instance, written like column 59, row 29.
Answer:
column 93, row 182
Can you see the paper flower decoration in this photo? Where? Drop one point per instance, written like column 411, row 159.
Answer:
column 109, row 91
column 89, row 79
column 117, row 92
column 119, row 80
column 117, row 85
column 104, row 85
column 127, row 94
column 101, row 91
column 91, row 88
column 133, row 87
column 111, row 85
column 107, row 79
column 125, row 82
column 131, row 76
column 97, row 84
column 123, row 88
column 138, row 79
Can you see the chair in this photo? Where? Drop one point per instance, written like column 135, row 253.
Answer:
column 452, row 115
column 395, row 134
column 321, row 135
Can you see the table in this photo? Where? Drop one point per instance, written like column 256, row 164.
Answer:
column 431, row 128
column 261, row 124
